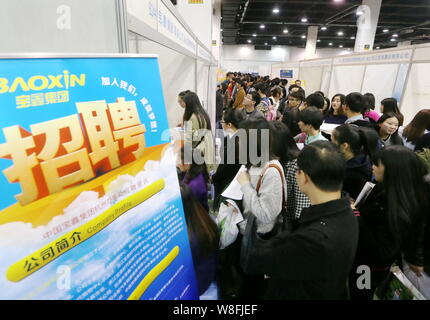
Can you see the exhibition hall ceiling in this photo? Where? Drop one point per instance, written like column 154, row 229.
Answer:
column 285, row 22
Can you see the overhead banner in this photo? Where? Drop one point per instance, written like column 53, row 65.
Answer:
column 91, row 205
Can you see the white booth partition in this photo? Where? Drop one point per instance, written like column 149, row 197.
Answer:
column 313, row 73
column 156, row 27
column 286, row 70
column 417, row 93
column 400, row 72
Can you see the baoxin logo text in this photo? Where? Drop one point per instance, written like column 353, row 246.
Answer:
column 41, row 82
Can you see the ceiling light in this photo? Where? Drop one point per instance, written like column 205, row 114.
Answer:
column 359, row 13
column 395, row 35
column 338, row 0
column 274, row 38
column 318, row 40
column 304, row 19
column 392, row 40
column 285, row 30
column 254, row 35
column 265, row 43
column 324, row 28
column 303, row 37
column 340, row 33
column 276, row 10
column 385, row 30
column 262, row 26
column 249, row 41
column 352, row 38
column 377, row 48
column 341, row 46
column 330, row 44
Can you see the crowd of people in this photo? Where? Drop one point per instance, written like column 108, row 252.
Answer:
column 321, row 205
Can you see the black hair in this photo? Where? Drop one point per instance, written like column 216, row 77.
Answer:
column 320, row 93
column 255, row 97
column 416, row 128
column 284, row 146
column 342, row 102
column 391, row 105
column 234, row 116
column 324, row 164
column 370, row 101
column 261, row 125
column 297, row 94
column 263, row 87
column 395, row 138
column 275, row 82
column 292, row 87
column 312, row 116
column 275, row 91
column 183, row 93
column 239, row 81
column 315, row 100
column 361, row 140
column 284, row 82
column 193, row 106
column 327, row 101
column 404, row 186
column 200, row 225
column 355, row 102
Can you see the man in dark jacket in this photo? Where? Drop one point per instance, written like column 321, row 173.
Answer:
column 314, row 260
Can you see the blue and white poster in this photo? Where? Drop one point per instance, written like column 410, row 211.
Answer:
column 286, row 74
column 91, row 205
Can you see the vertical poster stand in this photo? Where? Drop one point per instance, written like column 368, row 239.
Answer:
column 91, row 206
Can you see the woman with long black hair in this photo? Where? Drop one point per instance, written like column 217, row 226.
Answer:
column 358, row 145
column 198, row 129
column 392, row 217
column 419, row 126
column 391, row 105
column 287, row 152
column 388, row 129
column 335, row 113
column 204, row 239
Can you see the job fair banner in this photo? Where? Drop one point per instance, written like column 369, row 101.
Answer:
column 90, row 204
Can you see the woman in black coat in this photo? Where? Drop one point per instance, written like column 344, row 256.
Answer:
column 357, row 144
column 229, row 166
column 392, row 218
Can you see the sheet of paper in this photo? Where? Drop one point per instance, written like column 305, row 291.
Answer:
column 234, row 191
column 328, row 127
column 364, row 192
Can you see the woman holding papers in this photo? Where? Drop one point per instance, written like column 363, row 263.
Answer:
column 392, row 218
column 230, row 165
